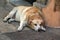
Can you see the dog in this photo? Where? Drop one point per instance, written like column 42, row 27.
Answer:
column 27, row 15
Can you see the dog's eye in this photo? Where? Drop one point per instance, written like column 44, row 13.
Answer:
column 41, row 24
column 35, row 24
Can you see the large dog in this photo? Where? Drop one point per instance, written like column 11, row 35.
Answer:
column 30, row 16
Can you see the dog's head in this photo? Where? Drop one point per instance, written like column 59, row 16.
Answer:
column 35, row 20
column 37, row 24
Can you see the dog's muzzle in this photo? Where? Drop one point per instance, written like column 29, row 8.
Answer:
column 39, row 30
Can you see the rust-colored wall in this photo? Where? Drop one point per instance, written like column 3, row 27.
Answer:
column 52, row 17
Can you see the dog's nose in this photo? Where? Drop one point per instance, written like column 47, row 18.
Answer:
column 39, row 30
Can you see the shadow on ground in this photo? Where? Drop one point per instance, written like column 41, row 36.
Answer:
column 32, row 35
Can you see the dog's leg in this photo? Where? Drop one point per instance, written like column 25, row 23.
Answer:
column 22, row 24
column 10, row 15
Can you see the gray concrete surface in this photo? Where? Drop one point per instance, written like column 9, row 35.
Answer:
column 5, row 26
column 32, row 35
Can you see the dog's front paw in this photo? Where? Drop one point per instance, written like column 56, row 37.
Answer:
column 19, row 29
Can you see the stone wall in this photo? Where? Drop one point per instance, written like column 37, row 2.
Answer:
column 52, row 18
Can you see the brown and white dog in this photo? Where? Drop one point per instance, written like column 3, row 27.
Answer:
column 27, row 16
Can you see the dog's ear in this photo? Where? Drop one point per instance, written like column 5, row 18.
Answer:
column 30, row 21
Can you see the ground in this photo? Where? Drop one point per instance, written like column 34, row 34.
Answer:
column 9, row 31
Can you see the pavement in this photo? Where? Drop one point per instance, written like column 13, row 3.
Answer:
column 31, row 35
column 9, row 31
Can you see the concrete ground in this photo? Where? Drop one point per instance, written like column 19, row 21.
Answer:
column 50, row 34
column 9, row 31
column 4, row 26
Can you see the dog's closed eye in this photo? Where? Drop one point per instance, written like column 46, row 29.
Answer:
column 35, row 24
column 41, row 24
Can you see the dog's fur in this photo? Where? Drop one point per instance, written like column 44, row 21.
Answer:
column 27, row 16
